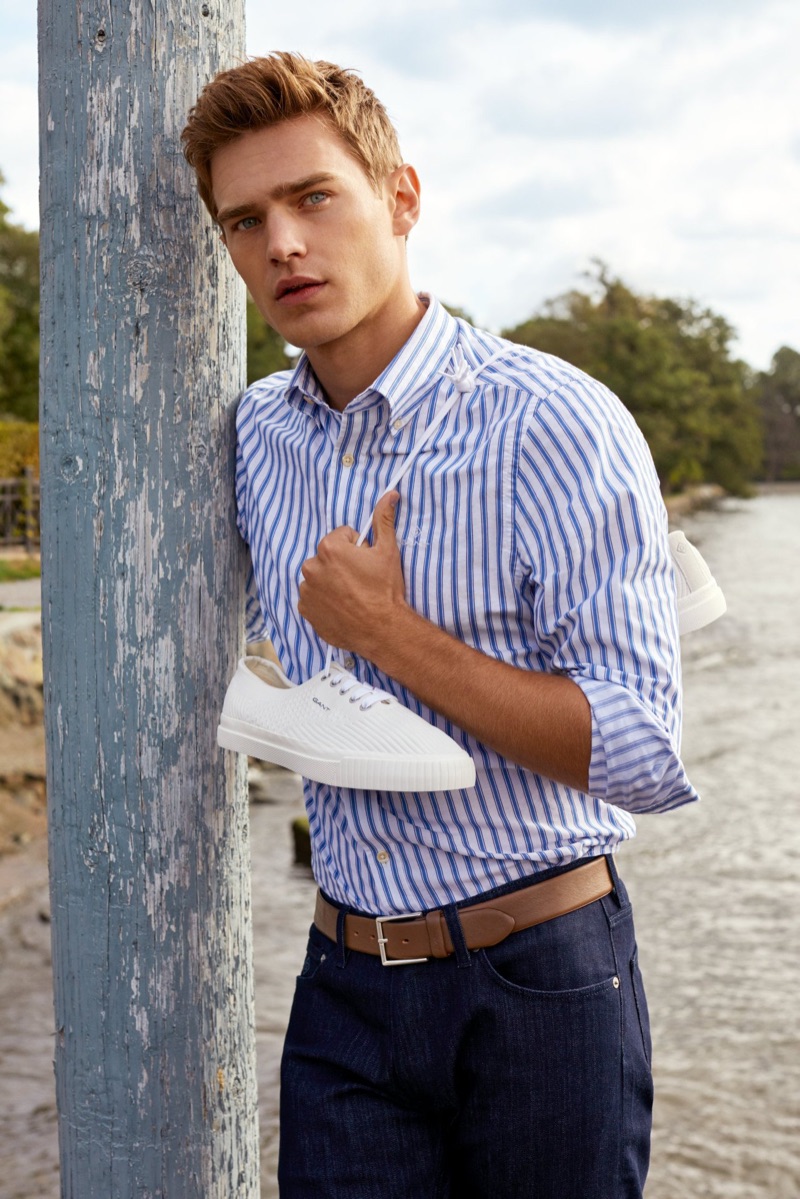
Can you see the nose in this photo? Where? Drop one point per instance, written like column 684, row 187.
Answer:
column 284, row 240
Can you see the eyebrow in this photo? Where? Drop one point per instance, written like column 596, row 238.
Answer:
column 291, row 188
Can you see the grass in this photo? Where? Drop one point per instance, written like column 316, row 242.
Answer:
column 14, row 570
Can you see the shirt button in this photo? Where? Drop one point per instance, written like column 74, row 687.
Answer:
column 348, row 460
column 383, row 857
column 397, row 425
column 349, row 662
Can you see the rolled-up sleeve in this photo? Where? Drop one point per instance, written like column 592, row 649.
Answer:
column 596, row 572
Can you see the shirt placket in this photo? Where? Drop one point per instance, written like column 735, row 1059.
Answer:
column 342, row 463
column 351, row 465
column 347, row 434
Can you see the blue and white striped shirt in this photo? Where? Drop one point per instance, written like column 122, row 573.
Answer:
column 531, row 528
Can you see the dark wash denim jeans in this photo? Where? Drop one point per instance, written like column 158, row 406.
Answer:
column 516, row 1072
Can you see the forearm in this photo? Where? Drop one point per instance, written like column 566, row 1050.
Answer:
column 539, row 721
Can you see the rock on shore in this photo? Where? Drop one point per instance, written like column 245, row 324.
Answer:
column 22, row 762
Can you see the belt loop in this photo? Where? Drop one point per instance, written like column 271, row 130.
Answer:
column 457, row 935
column 615, row 879
column 341, row 948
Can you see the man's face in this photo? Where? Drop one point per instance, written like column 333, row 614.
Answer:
column 321, row 251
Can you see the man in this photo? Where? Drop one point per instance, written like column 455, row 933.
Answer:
column 518, row 593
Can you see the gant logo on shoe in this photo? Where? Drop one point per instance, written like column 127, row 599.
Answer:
column 320, row 704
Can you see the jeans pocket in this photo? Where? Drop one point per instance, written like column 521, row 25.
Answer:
column 572, row 953
column 575, row 994
column 512, row 980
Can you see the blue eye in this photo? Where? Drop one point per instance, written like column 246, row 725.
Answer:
column 315, row 198
column 247, row 222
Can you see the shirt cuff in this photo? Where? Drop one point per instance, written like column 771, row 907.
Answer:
column 634, row 763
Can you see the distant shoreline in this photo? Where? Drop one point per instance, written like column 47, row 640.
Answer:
column 694, row 498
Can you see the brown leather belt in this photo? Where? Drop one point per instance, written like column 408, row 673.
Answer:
column 418, row 936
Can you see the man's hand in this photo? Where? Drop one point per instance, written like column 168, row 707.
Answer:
column 350, row 593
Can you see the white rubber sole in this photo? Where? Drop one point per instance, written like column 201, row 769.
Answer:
column 700, row 608
column 369, row 773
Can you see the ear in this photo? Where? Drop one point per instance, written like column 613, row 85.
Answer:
column 404, row 191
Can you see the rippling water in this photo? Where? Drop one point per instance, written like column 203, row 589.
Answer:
column 715, row 887
column 716, row 884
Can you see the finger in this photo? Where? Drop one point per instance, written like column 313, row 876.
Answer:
column 344, row 535
column 383, row 521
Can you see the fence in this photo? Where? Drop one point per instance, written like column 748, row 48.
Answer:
column 19, row 511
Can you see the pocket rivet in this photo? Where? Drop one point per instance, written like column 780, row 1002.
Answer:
column 323, row 956
column 615, row 981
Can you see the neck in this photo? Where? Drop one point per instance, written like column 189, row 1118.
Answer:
column 347, row 366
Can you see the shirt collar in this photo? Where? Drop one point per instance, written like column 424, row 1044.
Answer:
column 415, row 367
column 304, row 385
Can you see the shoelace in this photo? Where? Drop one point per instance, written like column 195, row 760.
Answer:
column 464, row 381
column 346, row 682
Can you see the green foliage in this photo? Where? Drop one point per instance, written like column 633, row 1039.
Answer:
column 669, row 361
column 266, row 349
column 777, row 393
column 19, row 447
column 19, row 319
column 16, row 570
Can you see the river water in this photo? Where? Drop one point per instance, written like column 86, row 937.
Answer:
column 716, row 889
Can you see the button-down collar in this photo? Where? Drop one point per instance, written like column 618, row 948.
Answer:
column 414, row 369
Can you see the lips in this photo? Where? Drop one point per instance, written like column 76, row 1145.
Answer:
column 297, row 289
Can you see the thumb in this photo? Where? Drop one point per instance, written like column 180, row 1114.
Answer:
column 383, row 531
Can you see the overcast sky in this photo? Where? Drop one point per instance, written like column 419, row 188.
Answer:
column 664, row 139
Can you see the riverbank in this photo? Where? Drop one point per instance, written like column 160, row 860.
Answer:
column 22, row 761
column 693, row 499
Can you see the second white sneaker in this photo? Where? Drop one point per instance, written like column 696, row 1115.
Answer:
column 700, row 598
column 337, row 730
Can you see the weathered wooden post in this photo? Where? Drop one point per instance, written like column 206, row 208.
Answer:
column 142, row 358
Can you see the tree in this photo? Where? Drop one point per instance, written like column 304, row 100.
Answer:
column 670, row 363
column 778, row 395
column 19, row 319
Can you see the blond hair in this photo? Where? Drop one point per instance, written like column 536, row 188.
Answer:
column 281, row 87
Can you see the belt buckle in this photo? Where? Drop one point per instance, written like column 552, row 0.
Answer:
column 382, row 941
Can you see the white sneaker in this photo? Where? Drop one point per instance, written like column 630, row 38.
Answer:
column 337, row 730
column 700, row 599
